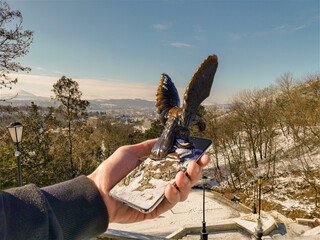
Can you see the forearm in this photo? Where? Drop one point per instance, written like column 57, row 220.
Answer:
column 68, row 210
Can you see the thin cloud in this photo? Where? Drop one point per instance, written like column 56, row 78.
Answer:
column 91, row 88
column 300, row 27
column 40, row 68
column 279, row 28
column 57, row 72
column 315, row 18
column 286, row 28
column 180, row 44
column 235, row 36
column 160, row 27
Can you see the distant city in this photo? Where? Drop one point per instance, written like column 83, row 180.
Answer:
column 126, row 109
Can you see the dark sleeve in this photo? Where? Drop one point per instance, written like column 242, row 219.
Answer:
column 70, row 210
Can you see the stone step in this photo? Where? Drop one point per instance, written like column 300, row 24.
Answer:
column 124, row 235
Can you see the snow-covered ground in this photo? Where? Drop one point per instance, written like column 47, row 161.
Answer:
column 183, row 214
column 288, row 189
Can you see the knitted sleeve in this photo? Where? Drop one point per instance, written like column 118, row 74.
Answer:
column 70, row 210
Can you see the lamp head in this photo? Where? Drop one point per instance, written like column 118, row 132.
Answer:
column 15, row 130
column 260, row 179
column 204, row 179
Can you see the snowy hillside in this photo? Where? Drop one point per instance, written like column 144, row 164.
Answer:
column 290, row 190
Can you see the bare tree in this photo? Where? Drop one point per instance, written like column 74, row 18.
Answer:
column 14, row 43
column 299, row 106
column 255, row 111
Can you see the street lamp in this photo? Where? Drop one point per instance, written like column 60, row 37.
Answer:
column 204, row 234
column 260, row 179
column 15, row 130
column 254, row 209
column 259, row 230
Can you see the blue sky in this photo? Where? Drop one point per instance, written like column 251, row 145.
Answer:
column 118, row 49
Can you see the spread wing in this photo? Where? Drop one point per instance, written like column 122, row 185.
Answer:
column 199, row 88
column 167, row 95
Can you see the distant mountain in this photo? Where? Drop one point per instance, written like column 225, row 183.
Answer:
column 121, row 103
column 24, row 98
column 23, row 95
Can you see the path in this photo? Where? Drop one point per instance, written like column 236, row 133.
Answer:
column 183, row 214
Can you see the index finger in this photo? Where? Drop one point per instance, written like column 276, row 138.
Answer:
column 143, row 149
column 204, row 160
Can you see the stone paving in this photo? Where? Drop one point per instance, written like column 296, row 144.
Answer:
column 229, row 235
column 224, row 220
column 183, row 214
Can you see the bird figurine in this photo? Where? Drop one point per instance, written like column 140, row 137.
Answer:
column 176, row 119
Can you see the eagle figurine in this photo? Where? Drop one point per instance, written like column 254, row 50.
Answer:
column 178, row 120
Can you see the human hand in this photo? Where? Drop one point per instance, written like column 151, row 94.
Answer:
column 125, row 159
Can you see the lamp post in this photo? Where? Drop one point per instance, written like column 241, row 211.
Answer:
column 204, row 234
column 254, row 209
column 259, row 230
column 15, row 130
column 260, row 179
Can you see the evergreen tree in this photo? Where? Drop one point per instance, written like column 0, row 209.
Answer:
column 74, row 112
column 37, row 145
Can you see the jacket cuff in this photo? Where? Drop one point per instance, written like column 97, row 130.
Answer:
column 78, row 207
column 24, row 214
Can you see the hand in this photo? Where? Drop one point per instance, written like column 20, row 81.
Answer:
column 125, row 159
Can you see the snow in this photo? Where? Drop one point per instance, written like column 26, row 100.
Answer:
column 312, row 232
column 225, row 235
column 289, row 186
column 183, row 214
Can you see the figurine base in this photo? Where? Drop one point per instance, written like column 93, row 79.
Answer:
column 143, row 188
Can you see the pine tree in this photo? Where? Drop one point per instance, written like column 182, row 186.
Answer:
column 74, row 112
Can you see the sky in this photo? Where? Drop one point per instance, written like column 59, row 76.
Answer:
column 118, row 49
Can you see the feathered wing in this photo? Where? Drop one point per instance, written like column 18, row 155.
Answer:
column 199, row 88
column 167, row 95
